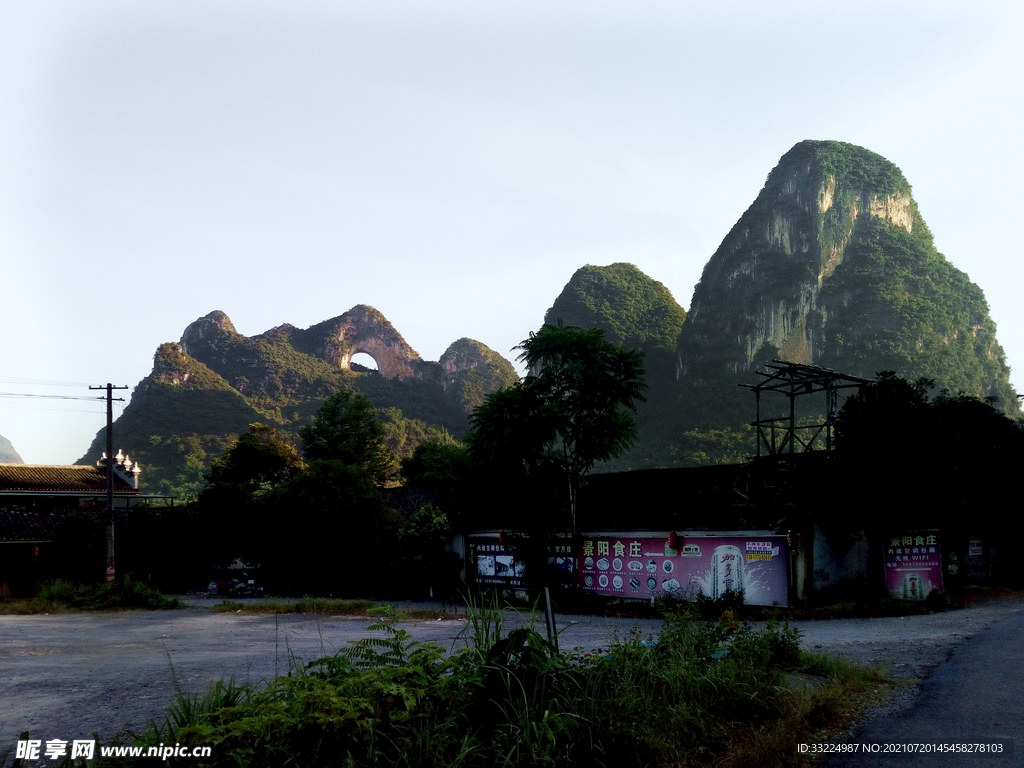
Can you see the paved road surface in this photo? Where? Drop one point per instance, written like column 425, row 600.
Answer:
column 976, row 696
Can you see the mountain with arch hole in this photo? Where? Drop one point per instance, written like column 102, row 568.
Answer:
column 207, row 388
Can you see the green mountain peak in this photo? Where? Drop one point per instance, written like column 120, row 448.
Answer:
column 632, row 309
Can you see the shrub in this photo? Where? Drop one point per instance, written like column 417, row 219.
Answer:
column 696, row 693
column 123, row 593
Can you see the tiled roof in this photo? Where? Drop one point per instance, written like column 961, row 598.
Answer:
column 39, row 478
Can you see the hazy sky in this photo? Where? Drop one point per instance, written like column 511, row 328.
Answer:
column 449, row 163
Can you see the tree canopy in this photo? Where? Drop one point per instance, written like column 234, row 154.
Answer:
column 921, row 457
column 574, row 408
column 241, row 488
column 346, row 429
column 259, row 458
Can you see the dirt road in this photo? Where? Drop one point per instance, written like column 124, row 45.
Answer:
column 67, row 676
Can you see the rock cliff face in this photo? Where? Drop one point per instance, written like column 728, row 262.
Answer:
column 210, row 386
column 7, row 453
column 361, row 329
column 473, row 370
column 833, row 265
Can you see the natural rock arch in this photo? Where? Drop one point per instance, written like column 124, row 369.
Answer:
column 362, row 329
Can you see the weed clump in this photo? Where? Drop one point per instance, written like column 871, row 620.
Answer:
column 692, row 696
column 124, row 593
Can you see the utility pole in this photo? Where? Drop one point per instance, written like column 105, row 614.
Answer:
column 110, row 475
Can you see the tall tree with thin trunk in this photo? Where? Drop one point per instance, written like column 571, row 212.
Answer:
column 574, row 408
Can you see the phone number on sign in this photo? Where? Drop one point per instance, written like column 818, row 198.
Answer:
column 1001, row 747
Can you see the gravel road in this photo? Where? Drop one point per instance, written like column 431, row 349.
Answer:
column 68, row 676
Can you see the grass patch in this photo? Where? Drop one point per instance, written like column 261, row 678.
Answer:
column 324, row 606
column 704, row 693
column 59, row 596
column 320, row 605
column 826, row 696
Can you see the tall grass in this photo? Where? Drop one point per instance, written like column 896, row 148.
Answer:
column 705, row 693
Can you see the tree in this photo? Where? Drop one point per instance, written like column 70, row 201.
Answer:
column 240, row 492
column 346, row 429
column 444, row 474
column 331, row 535
column 947, row 459
column 573, row 409
column 257, row 460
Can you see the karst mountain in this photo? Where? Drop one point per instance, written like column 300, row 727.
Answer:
column 831, row 265
column 210, row 386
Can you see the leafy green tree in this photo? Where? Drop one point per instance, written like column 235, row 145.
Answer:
column 890, row 405
column 346, row 429
column 421, row 540
column 444, row 473
column 241, row 488
column 258, row 460
column 343, row 534
column 574, row 409
column 403, row 435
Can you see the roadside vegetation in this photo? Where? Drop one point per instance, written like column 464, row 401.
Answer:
column 701, row 693
column 59, row 595
column 328, row 606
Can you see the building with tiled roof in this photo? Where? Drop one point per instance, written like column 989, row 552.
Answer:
column 61, row 479
column 37, row 500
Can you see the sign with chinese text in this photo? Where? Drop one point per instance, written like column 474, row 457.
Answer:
column 496, row 564
column 913, row 564
column 646, row 566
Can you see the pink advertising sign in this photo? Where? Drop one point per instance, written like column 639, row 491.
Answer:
column 644, row 566
column 913, row 564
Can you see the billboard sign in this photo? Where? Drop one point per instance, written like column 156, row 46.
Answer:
column 496, row 564
column 913, row 564
column 645, row 566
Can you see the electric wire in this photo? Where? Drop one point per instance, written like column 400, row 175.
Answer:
column 42, row 382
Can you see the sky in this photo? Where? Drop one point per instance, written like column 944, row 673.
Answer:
column 449, row 163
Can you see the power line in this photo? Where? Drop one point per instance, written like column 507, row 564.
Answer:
column 47, row 397
column 42, row 407
column 42, row 382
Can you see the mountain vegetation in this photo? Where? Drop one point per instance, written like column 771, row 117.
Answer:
column 208, row 388
column 633, row 310
column 832, row 265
